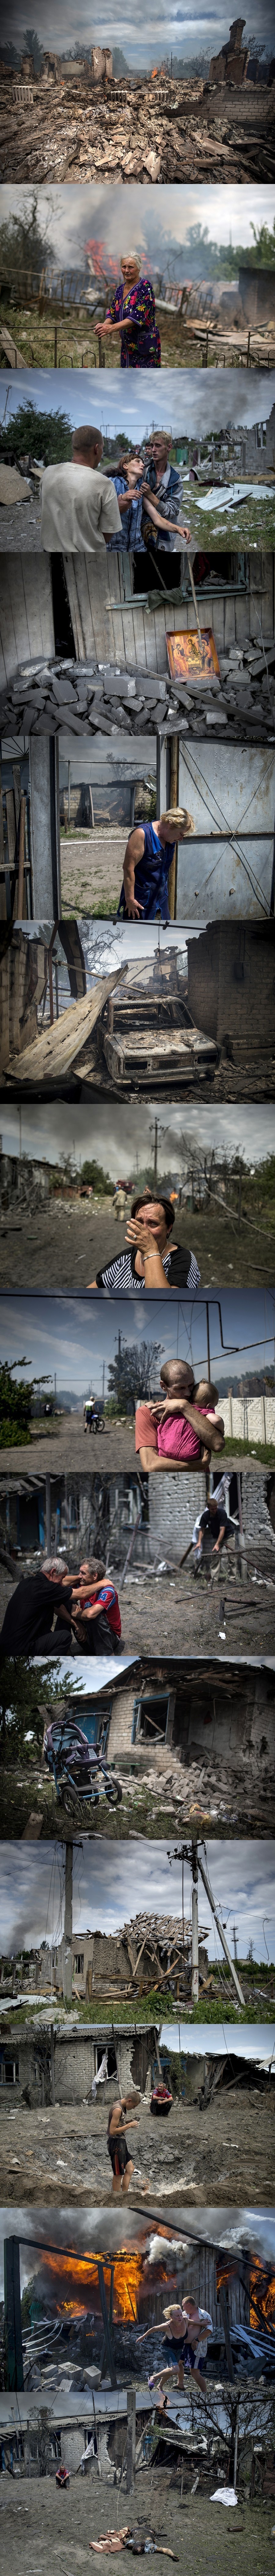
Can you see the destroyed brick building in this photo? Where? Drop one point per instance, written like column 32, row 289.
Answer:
column 172, row 130
column 231, row 65
column 160, row 1717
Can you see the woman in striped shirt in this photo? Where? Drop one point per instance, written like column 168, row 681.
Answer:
column 150, row 1261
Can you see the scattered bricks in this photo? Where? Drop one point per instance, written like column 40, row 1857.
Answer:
column 101, row 63
column 22, row 97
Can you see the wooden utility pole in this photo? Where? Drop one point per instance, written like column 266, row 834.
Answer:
column 52, row 2067
column 131, row 2440
column 13, row 2348
column 195, row 1927
column 48, row 1514
column 224, row 2312
column 68, row 1925
column 174, row 799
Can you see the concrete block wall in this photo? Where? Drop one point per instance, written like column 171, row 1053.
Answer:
column 256, row 1516
column 120, row 1730
column 249, row 1417
column 74, row 2069
column 173, row 1505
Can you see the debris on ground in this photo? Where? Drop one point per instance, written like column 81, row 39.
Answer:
column 155, row 128
column 93, row 697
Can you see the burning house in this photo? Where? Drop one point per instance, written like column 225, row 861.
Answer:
column 226, row 2271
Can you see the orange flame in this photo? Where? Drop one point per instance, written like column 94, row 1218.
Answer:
column 154, row 74
column 261, row 2297
column 260, row 2287
column 104, row 265
column 80, row 2277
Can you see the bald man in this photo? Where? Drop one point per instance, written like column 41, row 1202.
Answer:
column 79, row 505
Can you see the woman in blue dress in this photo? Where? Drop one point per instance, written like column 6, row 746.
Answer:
column 131, row 313
column 148, row 857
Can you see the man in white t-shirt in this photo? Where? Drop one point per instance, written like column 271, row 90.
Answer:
column 79, row 506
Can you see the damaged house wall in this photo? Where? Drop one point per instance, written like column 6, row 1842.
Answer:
column 208, row 1717
column 26, row 2064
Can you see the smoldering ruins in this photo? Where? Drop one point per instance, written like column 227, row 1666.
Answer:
column 75, row 120
column 197, row 1020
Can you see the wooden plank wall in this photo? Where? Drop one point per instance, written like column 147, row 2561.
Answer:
column 26, row 612
column 10, row 810
column 111, row 625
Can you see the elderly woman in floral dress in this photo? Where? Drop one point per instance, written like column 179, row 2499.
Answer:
column 131, row 313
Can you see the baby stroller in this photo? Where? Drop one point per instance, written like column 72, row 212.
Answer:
column 78, row 1769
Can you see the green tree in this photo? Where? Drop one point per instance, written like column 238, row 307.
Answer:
column 132, row 1372
column 25, row 1690
column 37, row 433
column 94, row 1173
column 15, row 1405
column 24, row 249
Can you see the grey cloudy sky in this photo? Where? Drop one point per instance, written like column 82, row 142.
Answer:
column 122, row 1139
column 102, row 2229
column 158, row 220
column 258, row 2042
column 141, row 1877
column 142, row 42
column 177, row 399
column 75, row 1335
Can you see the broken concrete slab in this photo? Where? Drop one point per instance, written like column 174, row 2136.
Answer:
column 132, row 128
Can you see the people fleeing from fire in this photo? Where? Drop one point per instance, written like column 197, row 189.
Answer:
column 96, row 1607
column 131, row 314
column 186, row 2334
column 122, row 2163
column 212, row 1531
column 181, row 1430
column 148, row 859
column 150, row 1259
column 36, row 1601
column 79, row 504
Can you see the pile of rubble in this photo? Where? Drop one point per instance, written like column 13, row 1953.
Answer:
column 46, row 697
column 155, row 129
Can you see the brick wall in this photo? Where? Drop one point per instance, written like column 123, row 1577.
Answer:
column 121, row 1723
column 173, row 1505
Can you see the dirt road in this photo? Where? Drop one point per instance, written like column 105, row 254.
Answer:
column 76, row 1237
column 61, row 1447
column 224, row 2154
column 161, row 1613
column 44, row 2527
